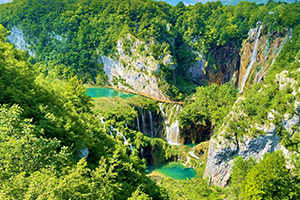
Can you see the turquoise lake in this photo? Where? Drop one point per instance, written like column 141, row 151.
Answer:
column 174, row 170
column 106, row 92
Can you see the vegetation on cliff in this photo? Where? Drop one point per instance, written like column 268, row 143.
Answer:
column 47, row 123
column 81, row 30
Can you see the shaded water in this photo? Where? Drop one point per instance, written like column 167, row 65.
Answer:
column 98, row 92
column 173, row 170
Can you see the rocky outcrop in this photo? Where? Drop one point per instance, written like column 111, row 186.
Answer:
column 269, row 45
column 227, row 61
column 196, row 71
column 134, row 68
column 224, row 146
column 16, row 37
column 221, row 156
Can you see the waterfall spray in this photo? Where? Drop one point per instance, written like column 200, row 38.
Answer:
column 245, row 77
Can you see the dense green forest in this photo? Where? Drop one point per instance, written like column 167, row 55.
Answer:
column 72, row 34
column 47, row 122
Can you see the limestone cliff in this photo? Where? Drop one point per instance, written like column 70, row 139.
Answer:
column 133, row 68
column 224, row 146
column 16, row 37
column 269, row 45
column 227, row 60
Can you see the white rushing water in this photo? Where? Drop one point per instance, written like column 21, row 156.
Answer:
column 138, row 124
column 187, row 161
column 193, row 154
column 125, row 140
column 172, row 130
column 253, row 58
column 143, row 123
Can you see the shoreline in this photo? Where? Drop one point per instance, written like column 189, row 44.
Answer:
column 132, row 92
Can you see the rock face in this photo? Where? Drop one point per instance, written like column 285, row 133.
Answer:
column 196, row 71
column 222, row 151
column 227, row 60
column 16, row 36
column 134, row 69
column 220, row 156
column 269, row 45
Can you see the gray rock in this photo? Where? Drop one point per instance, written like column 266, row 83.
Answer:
column 16, row 37
column 197, row 70
column 288, row 124
column 136, row 69
column 221, row 156
column 83, row 153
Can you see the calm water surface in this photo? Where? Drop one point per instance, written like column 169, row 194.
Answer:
column 106, row 92
column 174, row 170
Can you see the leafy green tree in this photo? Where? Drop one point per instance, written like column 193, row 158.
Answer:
column 270, row 179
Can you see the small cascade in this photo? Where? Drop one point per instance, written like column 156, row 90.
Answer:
column 173, row 133
column 193, row 154
column 125, row 140
column 151, row 124
column 126, row 124
column 245, row 77
column 172, row 130
column 232, row 79
column 187, row 161
column 138, row 124
column 102, row 120
column 143, row 123
column 261, row 77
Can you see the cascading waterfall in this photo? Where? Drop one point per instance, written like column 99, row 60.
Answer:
column 151, row 124
column 245, row 77
column 138, row 124
column 125, row 140
column 187, row 160
column 193, row 154
column 143, row 123
column 172, row 130
column 231, row 81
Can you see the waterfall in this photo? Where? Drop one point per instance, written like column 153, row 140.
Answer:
column 172, row 130
column 102, row 120
column 125, row 140
column 173, row 133
column 260, row 78
column 193, row 154
column 232, row 79
column 138, row 124
column 143, row 123
column 245, row 77
column 150, row 124
column 187, row 160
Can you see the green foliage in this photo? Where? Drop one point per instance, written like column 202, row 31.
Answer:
column 195, row 188
column 240, row 169
column 74, row 33
column 270, row 179
column 211, row 103
column 41, row 139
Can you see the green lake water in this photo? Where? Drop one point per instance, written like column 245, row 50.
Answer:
column 98, row 92
column 192, row 144
column 174, row 170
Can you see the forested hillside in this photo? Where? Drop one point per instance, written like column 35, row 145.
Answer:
column 58, row 143
column 73, row 34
